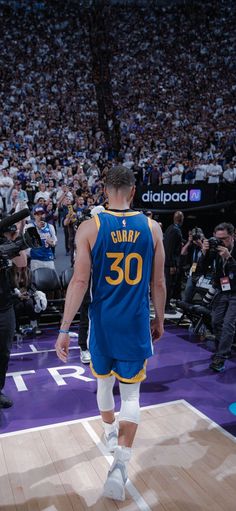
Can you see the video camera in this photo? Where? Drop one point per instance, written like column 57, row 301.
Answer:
column 10, row 248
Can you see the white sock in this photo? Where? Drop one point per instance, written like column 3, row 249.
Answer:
column 109, row 428
column 34, row 323
column 122, row 454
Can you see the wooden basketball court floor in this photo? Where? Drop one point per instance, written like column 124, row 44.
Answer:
column 182, row 461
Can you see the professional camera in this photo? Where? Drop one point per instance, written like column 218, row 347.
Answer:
column 86, row 215
column 197, row 234
column 214, row 243
column 89, row 213
column 10, row 248
column 208, row 298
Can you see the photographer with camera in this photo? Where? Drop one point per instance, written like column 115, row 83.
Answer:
column 11, row 247
column 191, row 252
column 219, row 252
column 7, row 325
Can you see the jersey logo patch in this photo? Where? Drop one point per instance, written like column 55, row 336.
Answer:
column 124, row 222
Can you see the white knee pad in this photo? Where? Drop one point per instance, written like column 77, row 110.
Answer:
column 105, row 399
column 130, row 410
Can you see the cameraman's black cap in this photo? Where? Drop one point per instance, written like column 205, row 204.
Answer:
column 11, row 228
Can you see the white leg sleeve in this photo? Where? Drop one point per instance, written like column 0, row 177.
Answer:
column 129, row 410
column 105, row 399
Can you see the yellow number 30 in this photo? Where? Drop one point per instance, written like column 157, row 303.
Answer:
column 124, row 274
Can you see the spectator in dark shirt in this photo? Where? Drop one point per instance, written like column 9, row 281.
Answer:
column 173, row 245
column 191, row 252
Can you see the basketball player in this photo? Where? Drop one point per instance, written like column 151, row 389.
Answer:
column 125, row 252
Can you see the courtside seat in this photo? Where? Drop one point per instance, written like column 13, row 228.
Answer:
column 65, row 277
column 48, row 281
column 199, row 315
column 194, row 308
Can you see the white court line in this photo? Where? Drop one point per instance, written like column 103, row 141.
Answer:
column 212, row 424
column 134, row 493
column 34, row 350
column 78, row 421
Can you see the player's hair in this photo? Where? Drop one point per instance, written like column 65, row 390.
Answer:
column 119, row 177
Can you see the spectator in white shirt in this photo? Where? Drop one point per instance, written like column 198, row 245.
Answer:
column 214, row 172
column 3, row 163
column 166, row 176
column 42, row 193
column 176, row 174
column 200, row 173
column 6, row 182
column 229, row 174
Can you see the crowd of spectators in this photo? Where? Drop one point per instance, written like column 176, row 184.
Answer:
column 172, row 85
column 173, row 79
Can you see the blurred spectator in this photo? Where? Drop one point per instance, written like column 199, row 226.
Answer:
column 6, row 183
column 43, row 257
column 229, row 174
column 23, row 299
column 42, row 193
column 192, row 251
column 173, row 245
column 173, row 92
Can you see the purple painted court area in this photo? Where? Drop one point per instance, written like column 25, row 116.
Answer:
column 47, row 392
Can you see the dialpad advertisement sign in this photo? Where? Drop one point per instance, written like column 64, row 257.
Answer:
column 174, row 197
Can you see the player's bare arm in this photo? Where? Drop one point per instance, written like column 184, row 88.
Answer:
column 158, row 287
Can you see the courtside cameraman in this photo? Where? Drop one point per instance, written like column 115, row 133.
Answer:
column 220, row 253
column 12, row 251
column 7, row 317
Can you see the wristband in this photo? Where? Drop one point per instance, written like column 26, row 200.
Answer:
column 63, row 331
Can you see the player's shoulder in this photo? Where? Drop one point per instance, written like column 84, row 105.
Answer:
column 87, row 227
column 156, row 231
column 155, row 225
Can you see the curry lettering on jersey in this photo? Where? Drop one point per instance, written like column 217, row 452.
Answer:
column 124, row 235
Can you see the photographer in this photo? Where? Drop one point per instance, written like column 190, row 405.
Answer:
column 11, row 247
column 7, row 315
column 192, row 251
column 219, row 252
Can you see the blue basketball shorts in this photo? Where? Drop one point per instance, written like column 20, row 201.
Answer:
column 127, row 371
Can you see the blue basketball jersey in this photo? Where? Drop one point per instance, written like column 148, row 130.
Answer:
column 121, row 271
column 43, row 253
